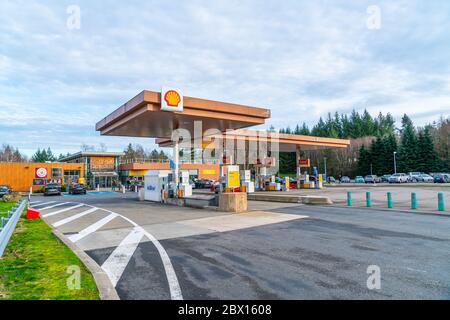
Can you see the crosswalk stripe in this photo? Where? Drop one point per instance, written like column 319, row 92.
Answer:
column 35, row 202
column 74, row 217
column 92, row 228
column 55, row 205
column 62, row 210
column 45, row 203
column 116, row 263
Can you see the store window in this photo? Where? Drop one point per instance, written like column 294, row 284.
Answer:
column 71, row 176
column 56, row 172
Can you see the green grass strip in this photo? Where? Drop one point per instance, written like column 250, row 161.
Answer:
column 35, row 266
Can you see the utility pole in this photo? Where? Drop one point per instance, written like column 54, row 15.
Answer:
column 395, row 163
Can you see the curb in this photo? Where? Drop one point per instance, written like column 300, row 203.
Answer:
column 104, row 285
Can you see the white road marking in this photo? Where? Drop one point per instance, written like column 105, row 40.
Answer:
column 35, row 202
column 119, row 259
column 74, row 217
column 62, row 210
column 55, row 205
column 116, row 263
column 174, row 286
column 45, row 203
column 92, row 228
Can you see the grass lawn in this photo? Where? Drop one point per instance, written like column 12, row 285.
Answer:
column 35, row 263
column 4, row 208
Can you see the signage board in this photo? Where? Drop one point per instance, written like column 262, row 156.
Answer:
column 172, row 100
column 233, row 180
column 304, row 163
column 102, row 164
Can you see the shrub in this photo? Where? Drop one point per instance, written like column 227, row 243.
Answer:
column 13, row 197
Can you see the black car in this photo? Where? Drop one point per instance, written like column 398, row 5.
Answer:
column 4, row 190
column 77, row 189
column 52, row 189
column 442, row 178
column 203, row 184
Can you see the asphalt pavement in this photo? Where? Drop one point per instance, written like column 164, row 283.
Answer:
column 270, row 254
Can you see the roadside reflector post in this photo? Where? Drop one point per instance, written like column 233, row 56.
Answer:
column 441, row 204
column 3, row 222
column 389, row 200
column 368, row 199
column 413, row 201
column 349, row 199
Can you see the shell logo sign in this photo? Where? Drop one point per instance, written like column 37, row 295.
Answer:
column 171, row 100
column 41, row 173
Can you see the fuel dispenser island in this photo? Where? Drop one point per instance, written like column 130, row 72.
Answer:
column 246, row 181
column 185, row 186
column 156, row 186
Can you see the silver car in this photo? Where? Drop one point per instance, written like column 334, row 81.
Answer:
column 398, row 178
column 425, row 178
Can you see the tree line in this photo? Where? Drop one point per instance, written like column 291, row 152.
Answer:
column 133, row 153
column 373, row 142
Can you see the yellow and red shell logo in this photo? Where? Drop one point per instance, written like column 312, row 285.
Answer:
column 172, row 98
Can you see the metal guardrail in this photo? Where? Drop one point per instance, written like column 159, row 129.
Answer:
column 8, row 224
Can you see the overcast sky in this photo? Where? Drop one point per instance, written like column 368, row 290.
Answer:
column 301, row 59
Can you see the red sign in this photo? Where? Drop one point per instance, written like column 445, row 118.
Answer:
column 41, row 173
column 304, row 163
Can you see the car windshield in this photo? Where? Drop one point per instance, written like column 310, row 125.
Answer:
column 3, row 189
column 52, row 186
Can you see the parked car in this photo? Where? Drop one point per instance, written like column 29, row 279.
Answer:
column 385, row 178
column 359, row 179
column 217, row 186
column 279, row 180
column 331, row 179
column 442, row 178
column 52, row 189
column 372, row 179
column 423, row 177
column 414, row 176
column 4, row 190
column 398, row 178
column 345, row 179
column 292, row 183
column 137, row 186
column 77, row 189
column 203, row 184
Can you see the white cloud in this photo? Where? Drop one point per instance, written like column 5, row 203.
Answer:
column 302, row 59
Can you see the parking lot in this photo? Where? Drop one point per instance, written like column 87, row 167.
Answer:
column 276, row 251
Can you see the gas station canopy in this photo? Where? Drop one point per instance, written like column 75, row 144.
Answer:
column 142, row 117
column 286, row 142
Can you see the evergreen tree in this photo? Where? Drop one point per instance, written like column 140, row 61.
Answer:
column 364, row 161
column 407, row 158
column 428, row 158
column 43, row 156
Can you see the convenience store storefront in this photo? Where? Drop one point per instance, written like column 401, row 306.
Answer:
column 21, row 176
column 100, row 168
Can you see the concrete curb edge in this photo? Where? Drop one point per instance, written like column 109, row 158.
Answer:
column 104, row 285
